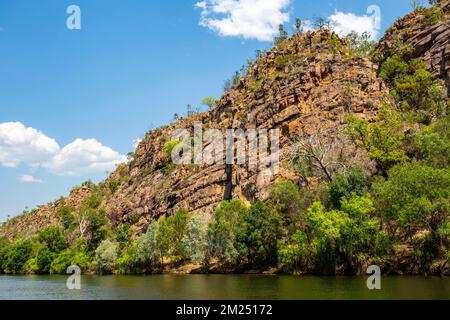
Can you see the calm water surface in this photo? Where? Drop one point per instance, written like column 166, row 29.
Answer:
column 221, row 287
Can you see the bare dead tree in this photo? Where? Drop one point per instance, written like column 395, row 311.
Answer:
column 82, row 224
column 321, row 153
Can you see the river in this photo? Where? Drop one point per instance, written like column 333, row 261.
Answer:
column 221, row 287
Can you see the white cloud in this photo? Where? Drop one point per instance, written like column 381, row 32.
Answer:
column 25, row 145
column 136, row 142
column 84, row 157
column 345, row 23
column 29, row 179
column 307, row 25
column 19, row 144
column 250, row 19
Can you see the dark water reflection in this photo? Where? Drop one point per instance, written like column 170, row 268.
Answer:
column 222, row 287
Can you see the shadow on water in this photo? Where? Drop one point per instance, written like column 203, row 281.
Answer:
column 222, row 287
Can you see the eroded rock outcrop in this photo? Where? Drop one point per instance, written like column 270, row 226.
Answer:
column 427, row 32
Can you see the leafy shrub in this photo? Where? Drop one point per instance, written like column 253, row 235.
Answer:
column 195, row 240
column 4, row 248
column 127, row 263
column 281, row 62
column 259, row 235
column 52, row 238
column 17, row 256
column 66, row 218
column 382, row 139
column 286, row 198
column 294, row 253
column 434, row 144
column 224, row 230
column 414, row 87
column 361, row 44
column 149, row 253
column 106, row 256
column 210, row 102
column 414, row 198
column 345, row 184
column 68, row 258
column 44, row 259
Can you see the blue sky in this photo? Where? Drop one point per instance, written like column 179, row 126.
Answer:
column 73, row 101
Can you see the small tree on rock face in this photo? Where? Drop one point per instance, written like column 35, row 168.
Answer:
column 286, row 198
column 361, row 44
column 298, row 25
column 382, row 139
column 210, row 102
column 283, row 35
column 322, row 23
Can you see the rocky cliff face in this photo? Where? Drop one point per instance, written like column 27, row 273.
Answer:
column 427, row 32
column 304, row 87
column 299, row 87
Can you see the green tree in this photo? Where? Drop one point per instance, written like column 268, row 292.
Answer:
column 324, row 230
column 362, row 239
column 66, row 217
column 98, row 227
column 178, row 228
column 195, row 240
column 17, row 256
column 127, row 262
column 4, row 248
column 434, row 144
column 345, row 184
column 123, row 234
column 223, row 231
column 106, row 256
column 285, row 197
column 414, row 204
column 294, row 253
column 44, row 259
column 149, row 253
column 298, row 26
column 260, row 234
column 383, row 139
column 361, row 44
column 73, row 256
column 414, row 87
column 52, row 238
column 414, row 198
column 283, row 35
column 210, row 102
